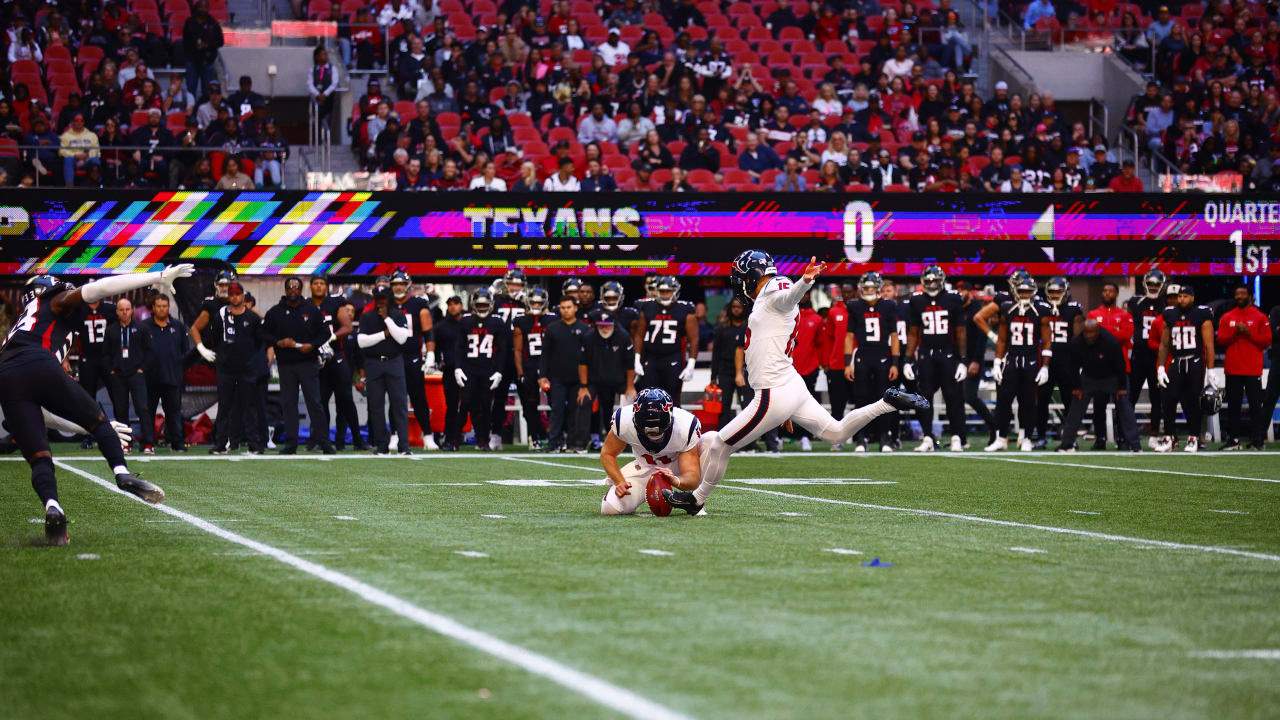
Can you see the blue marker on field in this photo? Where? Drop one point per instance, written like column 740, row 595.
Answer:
column 876, row 563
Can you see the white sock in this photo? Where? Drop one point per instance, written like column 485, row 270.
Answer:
column 52, row 503
column 119, row 470
column 859, row 418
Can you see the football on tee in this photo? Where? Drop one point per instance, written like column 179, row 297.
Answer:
column 653, row 491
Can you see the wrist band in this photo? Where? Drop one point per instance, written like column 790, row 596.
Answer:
column 1046, row 353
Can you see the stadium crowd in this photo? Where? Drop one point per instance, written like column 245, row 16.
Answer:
column 566, row 364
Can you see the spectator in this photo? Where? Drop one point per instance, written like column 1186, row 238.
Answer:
column 634, row 127
column 322, row 83
column 597, row 127
column 46, row 158
column 791, row 180
column 900, row 65
column 167, row 337
column 244, row 101
column 207, row 112
column 654, row 153
column 780, row 18
column 758, row 158
column 1102, row 171
column 25, row 48
column 643, row 181
column 274, row 150
column 701, row 154
column 201, row 39
column 827, row 104
column 1035, row 11
column 597, row 179
column 79, row 149
column 613, row 50
column 488, row 179
column 627, row 14
column 177, row 99
column 1161, row 27
column 127, row 352
column 563, row 180
column 1127, row 180
column 232, row 178
column 677, row 183
column 528, row 181
column 714, row 67
column 1245, row 332
column 1016, row 183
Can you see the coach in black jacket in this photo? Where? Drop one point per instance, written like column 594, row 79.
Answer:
column 1100, row 360
column 169, row 344
column 606, row 369
column 127, row 353
column 297, row 329
column 561, row 352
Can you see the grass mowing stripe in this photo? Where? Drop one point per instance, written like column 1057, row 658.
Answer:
column 606, row 694
column 1113, row 467
column 1010, row 523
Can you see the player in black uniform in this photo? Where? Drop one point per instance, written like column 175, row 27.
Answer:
column 1142, row 362
column 612, row 299
column 336, row 367
column 507, row 306
column 479, row 349
column 416, row 367
column 236, row 334
column 976, row 351
column 1273, row 375
column 1065, row 322
column 527, row 332
column 990, row 313
column 937, row 330
column 668, row 345
column 94, row 368
column 31, row 365
column 873, row 351
column 570, row 288
column 446, row 330
column 1187, row 340
column 1022, row 361
column 210, row 306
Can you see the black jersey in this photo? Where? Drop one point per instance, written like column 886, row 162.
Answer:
column 1185, row 340
column 872, row 324
column 93, row 329
column 665, row 329
column 1062, row 323
column 507, row 308
column 40, row 329
column 240, row 340
column 210, row 306
column 532, row 328
column 412, row 307
column 937, row 316
column 1023, row 339
column 1144, row 311
column 329, row 308
column 480, row 346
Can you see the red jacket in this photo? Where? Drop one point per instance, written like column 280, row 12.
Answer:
column 806, row 356
column 1117, row 321
column 1244, row 352
column 831, row 340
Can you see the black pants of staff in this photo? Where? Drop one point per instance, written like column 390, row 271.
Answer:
column 335, row 382
column 565, row 430
column 936, row 370
column 971, row 397
column 93, row 375
column 385, row 386
column 1066, row 381
column 1143, row 372
column 530, row 396
column 498, row 420
column 838, row 392
column 304, row 376
column 1100, row 391
column 663, row 372
column 477, row 401
column 237, row 392
column 606, row 396
column 171, row 397
column 1018, row 383
column 416, row 384
column 1186, row 382
column 1273, row 394
column 134, row 385
column 870, row 380
column 729, row 389
column 1250, row 387
column 452, row 413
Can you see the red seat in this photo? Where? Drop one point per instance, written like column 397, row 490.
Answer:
column 561, row 133
column 8, row 147
column 138, row 118
column 176, row 122
column 617, row 162
column 406, row 110
column 748, row 21
column 676, row 148
column 897, row 188
column 858, row 187
column 520, row 120
column 25, row 67
column 736, row 177
column 448, row 118
column 791, row 33
column 834, row 47
column 701, row 177
column 526, row 134
column 661, row 176
column 1011, row 160
column 59, row 53
column 758, row 34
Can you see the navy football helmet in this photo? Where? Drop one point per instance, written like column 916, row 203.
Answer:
column 869, row 286
column 40, row 284
column 1153, row 282
column 221, row 282
column 400, row 277
column 651, row 413
column 536, row 300
column 570, row 288
column 1210, row 400
column 668, row 291
column 482, row 303
column 1055, row 290
column 748, row 268
column 514, row 284
column 611, row 295
column 932, row 279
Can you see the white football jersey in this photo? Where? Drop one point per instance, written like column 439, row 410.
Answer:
column 771, row 336
column 685, row 433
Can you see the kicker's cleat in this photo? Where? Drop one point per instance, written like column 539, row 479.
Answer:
column 681, row 499
column 135, row 485
column 55, row 526
column 903, row 400
column 926, row 445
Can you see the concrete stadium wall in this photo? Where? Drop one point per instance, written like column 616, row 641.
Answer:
column 1071, row 76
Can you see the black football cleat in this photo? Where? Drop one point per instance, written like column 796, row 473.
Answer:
column 902, row 400
column 135, row 485
column 55, row 526
column 682, row 500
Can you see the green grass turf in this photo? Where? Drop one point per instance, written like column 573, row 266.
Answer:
column 750, row 616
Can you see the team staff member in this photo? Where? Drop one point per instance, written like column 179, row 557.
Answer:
column 1100, row 359
column 526, row 338
column 236, row 332
column 1065, row 322
column 1145, row 309
column 831, row 351
column 871, row 346
column 668, row 333
column 384, row 329
column 1186, row 341
column 937, row 329
column 446, row 333
column 807, row 355
column 558, row 376
column 975, row 350
column 95, row 371
column 416, row 367
column 169, row 343
column 127, row 352
column 1119, row 323
column 261, row 369
column 1245, row 333
column 297, row 330
column 606, row 369
column 1022, row 360
column 480, row 347
column 335, row 370
column 612, row 297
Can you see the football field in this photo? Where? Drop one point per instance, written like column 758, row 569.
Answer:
column 487, row 586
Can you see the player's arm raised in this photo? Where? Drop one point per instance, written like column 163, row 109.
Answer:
column 609, row 452
column 99, row 290
column 785, row 300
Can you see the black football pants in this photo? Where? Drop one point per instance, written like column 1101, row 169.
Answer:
column 1018, row 383
column 125, row 387
column 303, row 375
column 335, row 382
column 1062, row 377
column 870, row 380
column 530, row 398
column 236, row 409
column 1186, row 382
column 417, row 387
column 934, row 370
column 1239, row 386
column 663, row 372
column 1143, row 371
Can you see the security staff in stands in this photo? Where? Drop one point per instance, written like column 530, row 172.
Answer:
column 416, row 365
column 128, row 349
column 606, row 369
column 382, row 333
column 561, row 352
column 1099, row 358
column 446, row 331
column 299, row 333
column 480, row 347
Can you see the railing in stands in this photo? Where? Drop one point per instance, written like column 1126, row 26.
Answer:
column 54, row 178
column 1098, row 124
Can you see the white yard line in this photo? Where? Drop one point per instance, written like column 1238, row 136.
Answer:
column 998, row 458
column 1237, row 654
column 1008, row 523
column 600, row 691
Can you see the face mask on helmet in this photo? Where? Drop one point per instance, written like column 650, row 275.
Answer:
column 1024, row 291
column 668, row 291
column 932, row 280
column 515, row 288
column 399, row 290
column 1153, row 283
column 869, row 288
column 482, row 306
column 537, row 301
column 651, row 286
column 611, row 300
column 1056, row 291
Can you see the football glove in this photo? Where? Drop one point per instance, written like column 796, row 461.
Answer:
column 1042, row 375
column 1162, row 377
column 639, row 366
column 495, row 380
column 208, row 355
column 909, row 371
column 997, row 370
column 962, row 372
column 124, row 432
column 687, row 374
column 429, row 364
column 460, row 377
column 325, row 353
column 993, row 337
column 164, row 283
